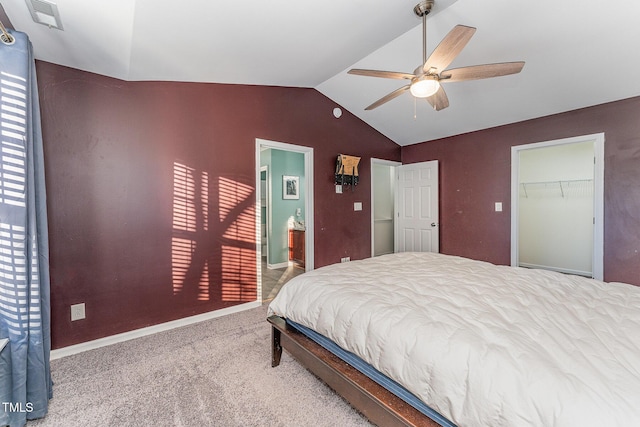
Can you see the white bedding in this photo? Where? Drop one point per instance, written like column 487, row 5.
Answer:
column 484, row 345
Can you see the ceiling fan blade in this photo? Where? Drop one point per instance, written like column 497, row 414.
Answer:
column 485, row 71
column 449, row 48
column 388, row 97
column 383, row 74
column 439, row 100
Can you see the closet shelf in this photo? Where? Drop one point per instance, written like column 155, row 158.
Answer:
column 580, row 186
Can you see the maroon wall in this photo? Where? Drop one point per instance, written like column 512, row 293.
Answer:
column 475, row 172
column 110, row 148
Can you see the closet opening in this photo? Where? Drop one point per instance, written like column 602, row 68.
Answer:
column 557, row 193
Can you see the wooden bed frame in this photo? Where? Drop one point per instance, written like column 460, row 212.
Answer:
column 375, row 402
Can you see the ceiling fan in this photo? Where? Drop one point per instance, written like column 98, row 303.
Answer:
column 425, row 82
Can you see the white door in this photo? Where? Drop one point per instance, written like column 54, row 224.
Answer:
column 417, row 191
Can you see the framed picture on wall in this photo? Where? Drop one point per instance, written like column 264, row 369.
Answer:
column 290, row 187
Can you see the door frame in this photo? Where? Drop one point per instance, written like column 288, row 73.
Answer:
column 308, row 204
column 598, row 196
column 268, row 208
column 393, row 164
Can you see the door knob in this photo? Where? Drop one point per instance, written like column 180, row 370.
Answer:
column 433, row 224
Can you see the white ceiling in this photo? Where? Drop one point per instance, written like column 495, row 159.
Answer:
column 578, row 53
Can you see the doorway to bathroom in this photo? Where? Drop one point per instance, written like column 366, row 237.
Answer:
column 285, row 214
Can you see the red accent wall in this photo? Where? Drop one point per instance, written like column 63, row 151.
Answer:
column 475, row 172
column 110, row 151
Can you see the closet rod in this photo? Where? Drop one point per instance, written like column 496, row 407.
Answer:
column 6, row 37
column 556, row 181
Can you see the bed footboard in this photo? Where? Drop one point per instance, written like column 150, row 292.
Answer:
column 375, row 402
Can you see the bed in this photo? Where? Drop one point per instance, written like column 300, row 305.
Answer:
column 477, row 344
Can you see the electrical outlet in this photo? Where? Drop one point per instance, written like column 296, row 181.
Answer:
column 345, row 259
column 77, row 312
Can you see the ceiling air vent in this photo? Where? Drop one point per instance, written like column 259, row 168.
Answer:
column 45, row 13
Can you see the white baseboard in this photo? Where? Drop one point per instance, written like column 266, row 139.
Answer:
column 125, row 336
column 277, row 266
column 556, row 269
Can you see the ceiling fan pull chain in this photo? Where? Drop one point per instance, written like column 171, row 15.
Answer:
column 415, row 108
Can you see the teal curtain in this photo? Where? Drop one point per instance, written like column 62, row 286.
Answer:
column 25, row 382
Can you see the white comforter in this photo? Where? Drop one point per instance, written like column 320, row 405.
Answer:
column 484, row 345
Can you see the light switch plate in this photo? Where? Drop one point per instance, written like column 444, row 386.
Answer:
column 357, row 206
column 77, row 312
column 338, row 189
column 498, row 206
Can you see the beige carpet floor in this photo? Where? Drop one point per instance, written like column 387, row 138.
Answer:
column 214, row 373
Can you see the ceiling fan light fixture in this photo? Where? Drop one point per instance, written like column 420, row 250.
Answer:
column 424, row 87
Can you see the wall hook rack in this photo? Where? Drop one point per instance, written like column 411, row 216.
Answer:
column 347, row 170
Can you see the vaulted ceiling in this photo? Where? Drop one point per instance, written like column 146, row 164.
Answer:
column 578, row 53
